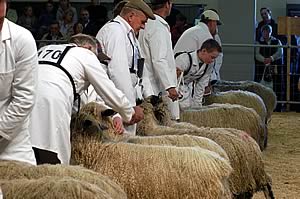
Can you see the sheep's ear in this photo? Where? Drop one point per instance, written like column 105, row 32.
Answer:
column 154, row 100
column 108, row 112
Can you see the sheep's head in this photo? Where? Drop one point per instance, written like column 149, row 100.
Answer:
column 162, row 112
column 92, row 120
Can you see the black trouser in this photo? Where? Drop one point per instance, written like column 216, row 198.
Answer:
column 45, row 157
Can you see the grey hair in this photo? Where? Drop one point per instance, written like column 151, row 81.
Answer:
column 83, row 39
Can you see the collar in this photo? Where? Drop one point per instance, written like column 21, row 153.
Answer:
column 203, row 25
column 5, row 32
column 124, row 23
column 162, row 20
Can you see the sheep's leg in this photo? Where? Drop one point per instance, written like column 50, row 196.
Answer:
column 268, row 192
column 246, row 195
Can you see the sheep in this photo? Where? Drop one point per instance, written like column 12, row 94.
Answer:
column 13, row 170
column 266, row 93
column 155, row 171
column 229, row 116
column 51, row 187
column 244, row 98
column 248, row 174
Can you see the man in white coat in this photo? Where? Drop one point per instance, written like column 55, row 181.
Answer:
column 159, row 74
column 118, row 41
column 195, row 68
column 18, row 75
column 193, row 37
column 65, row 71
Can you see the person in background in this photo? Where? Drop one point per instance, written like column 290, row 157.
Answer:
column 160, row 71
column 195, row 67
column 266, row 16
column 98, row 17
column 46, row 17
column 118, row 41
column 65, row 6
column 179, row 27
column 66, row 26
column 18, row 72
column 66, row 71
column 28, row 20
column 53, row 36
column 269, row 63
column 11, row 14
column 77, row 28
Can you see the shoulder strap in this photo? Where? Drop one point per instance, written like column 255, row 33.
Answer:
column 190, row 58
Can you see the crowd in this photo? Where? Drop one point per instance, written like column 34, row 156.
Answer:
column 120, row 61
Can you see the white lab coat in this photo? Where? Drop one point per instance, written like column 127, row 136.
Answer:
column 18, row 70
column 159, row 70
column 115, row 38
column 55, row 97
column 193, row 38
column 196, row 73
column 215, row 75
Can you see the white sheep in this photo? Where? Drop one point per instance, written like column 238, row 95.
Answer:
column 266, row 93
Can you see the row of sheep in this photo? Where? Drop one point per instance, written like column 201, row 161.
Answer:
column 167, row 159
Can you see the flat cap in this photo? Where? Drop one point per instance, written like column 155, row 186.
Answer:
column 142, row 6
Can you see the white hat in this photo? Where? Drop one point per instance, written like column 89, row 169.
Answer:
column 211, row 15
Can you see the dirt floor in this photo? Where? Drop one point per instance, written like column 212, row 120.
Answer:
column 282, row 156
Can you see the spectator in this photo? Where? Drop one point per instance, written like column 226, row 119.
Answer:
column 160, row 70
column 84, row 18
column 179, row 27
column 18, row 74
column 53, row 35
column 195, row 67
column 28, row 20
column 266, row 16
column 66, row 26
column 269, row 63
column 118, row 40
column 46, row 17
column 63, row 8
column 64, row 71
column 77, row 28
column 11, row 14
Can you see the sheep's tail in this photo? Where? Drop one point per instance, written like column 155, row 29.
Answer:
column 268, row 191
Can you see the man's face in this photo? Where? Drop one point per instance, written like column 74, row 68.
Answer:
column 265, row 15
column 138, row 21
column 212, row 26
column 84, row 15
column 170, row 4
column 54, row 29
column 208, row 57
column 2, row 9
column 266, row 34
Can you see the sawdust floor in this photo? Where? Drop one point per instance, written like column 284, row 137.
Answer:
column 282, row 156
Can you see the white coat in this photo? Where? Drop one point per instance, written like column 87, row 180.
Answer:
column 18, row 70
column 196, row 74
column 215, row 75
column 50, row 129
column 159, row 70
column 193, row 38
column 115, row 39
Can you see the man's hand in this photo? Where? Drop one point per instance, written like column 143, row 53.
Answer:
column 138, row 115
column 267, row 61
column 173, row 94
column 118, row 125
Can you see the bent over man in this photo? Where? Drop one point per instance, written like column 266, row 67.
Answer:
column 66, row 70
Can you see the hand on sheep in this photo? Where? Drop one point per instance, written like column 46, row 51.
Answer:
column 173, row 94
column 118, row 125
column 137, row 116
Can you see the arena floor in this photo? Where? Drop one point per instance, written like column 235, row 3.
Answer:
column 282, row 156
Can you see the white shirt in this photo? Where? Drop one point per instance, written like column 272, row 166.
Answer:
column 159, row 70
column 55, row 96
column 215, row 75
column 114, row 39
column 196, row 73
column 193, row 38
column 18, row 70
